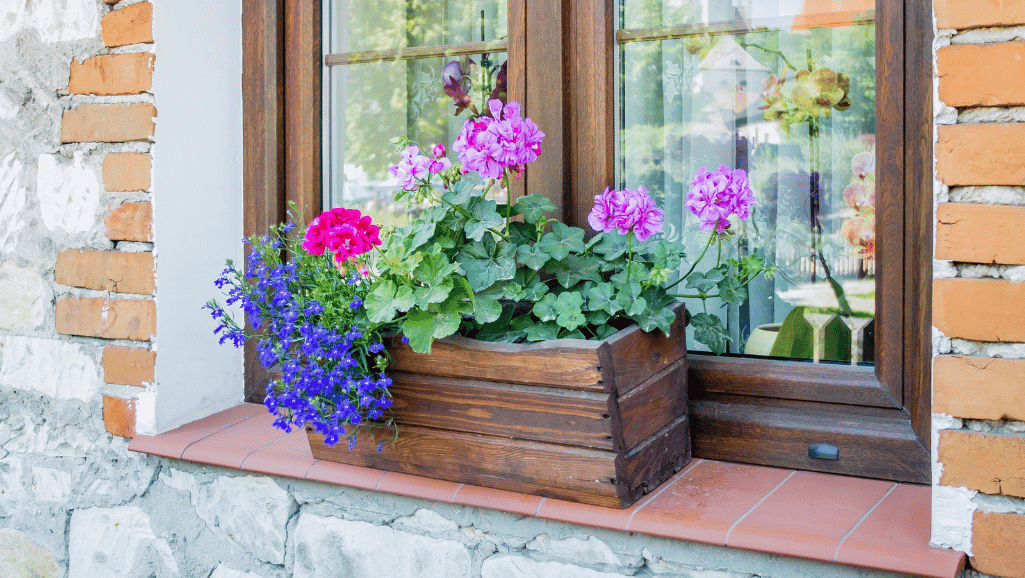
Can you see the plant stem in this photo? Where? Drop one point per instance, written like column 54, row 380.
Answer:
column 700, row 257
column 629, row 255
column 782, row 56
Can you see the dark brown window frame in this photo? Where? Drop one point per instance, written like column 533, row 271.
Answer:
column 755, row 411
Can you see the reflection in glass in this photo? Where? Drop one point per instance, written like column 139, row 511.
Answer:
column 367, row 105
column 785, row 90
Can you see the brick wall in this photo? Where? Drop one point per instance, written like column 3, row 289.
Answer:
column 118, row 307
column 979, row 290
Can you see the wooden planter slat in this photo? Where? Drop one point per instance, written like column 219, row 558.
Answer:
column 600, row 422
column 569, row 363
column 519, row 411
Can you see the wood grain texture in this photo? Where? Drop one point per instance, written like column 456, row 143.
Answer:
column 655, row 460
column 568, row 363
column 546, row 98
column 658, row 401
column 637, row 355
column 870, row 446
column 263, row 129
column 415, row 52
column 517, row 411
column 551, row 470
column 303, row 115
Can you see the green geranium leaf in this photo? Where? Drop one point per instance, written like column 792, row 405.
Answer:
column 545, row 308
column 532, row 207
column 484, row 217
column 568, row 310
column 522, row 233
column 562, row 240
column 655, row 318
column 663, row 254
column 434, row 269
column 597, row 318
column 460, row 194
column 501, row 329
column 496, row 264
column 436, row 293
column 601, row 298
column 610, row 245
column 704, row 282
column 637, row 273
column 605, row 331
column 418, row 327
column 543, row 331
column 422, row 233
column 731, row 291
column 708, row 329
column 580, row 268
column 486, row 309
column 385, row 300
column 531, row 256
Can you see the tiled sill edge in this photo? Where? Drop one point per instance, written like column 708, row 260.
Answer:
column 836, row 519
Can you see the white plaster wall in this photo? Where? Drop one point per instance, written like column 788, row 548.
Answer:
column 197, row 183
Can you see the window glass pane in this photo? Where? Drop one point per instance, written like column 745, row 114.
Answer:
column 367, row 105
column 361, row 25
column 784, row 89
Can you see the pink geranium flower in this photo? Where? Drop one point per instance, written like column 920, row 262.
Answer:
column 412, row 168
column 626, row 211
column 716, row 196
column 346, row 233
column 503, row 140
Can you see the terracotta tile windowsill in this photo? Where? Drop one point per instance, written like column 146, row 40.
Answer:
column 854, row 521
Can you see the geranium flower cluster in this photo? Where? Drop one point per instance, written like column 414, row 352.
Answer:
column 503, row 140
column 415, row 166
column 346, row 233
column 716, row 196
column 626, row 211
column 330, row 378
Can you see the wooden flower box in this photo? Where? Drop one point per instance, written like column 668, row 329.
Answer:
column 599, row 422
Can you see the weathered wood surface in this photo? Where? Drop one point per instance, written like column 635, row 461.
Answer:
column 637, row 355
column 599, row 422
column 535, row 413
column 658, row 401
column 569, row 363
column 552, row 470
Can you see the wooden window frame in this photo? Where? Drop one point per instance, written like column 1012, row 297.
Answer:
column 754, row 411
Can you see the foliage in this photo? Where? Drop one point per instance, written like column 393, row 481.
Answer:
column 306, row 317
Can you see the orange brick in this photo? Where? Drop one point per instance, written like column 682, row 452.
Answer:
column 119, row 416
column 129, row 25
column 988, row 463
column 979, row 388
column 961, row 14
column 958, row 238
column 109, row 123
column 979, row 309
column 127, row 171
column 981, row 154
column 998, row 541
column 112, row 74
column 981, row 74
column 106, row 271
column 107, row 318
column 129, row 365
column 130, row 222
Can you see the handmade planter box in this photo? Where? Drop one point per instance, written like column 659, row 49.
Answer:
column 599, row 422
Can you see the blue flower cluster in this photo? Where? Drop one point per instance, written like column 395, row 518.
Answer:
column 307, row 319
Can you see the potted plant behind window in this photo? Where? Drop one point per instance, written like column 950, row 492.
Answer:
column 520, row 354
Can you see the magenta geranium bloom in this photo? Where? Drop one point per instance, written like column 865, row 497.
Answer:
column 716, row 196
column 345, row 232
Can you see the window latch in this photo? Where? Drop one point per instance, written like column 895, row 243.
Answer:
column 823, row 452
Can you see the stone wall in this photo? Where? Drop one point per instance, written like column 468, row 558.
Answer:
column 979, row 335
